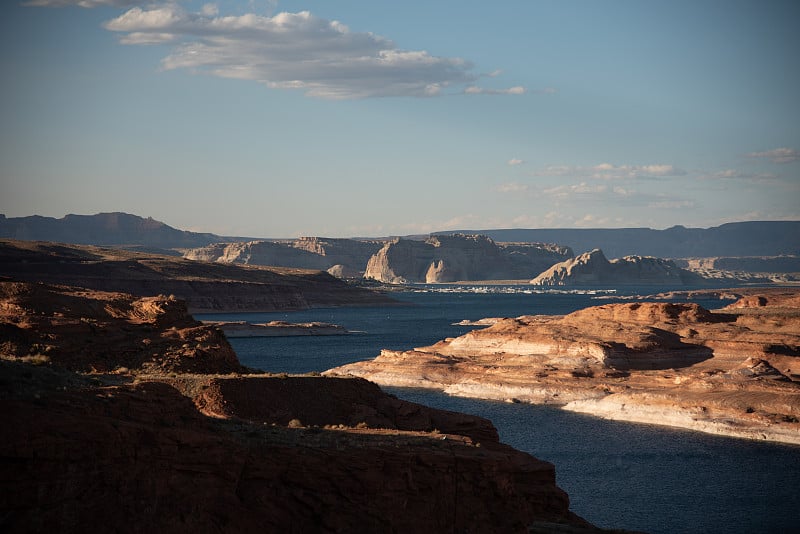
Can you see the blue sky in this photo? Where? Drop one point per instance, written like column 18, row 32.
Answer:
column 362, row 118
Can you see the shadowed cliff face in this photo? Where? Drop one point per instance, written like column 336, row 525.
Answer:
column 460, row 258
column 143, row 450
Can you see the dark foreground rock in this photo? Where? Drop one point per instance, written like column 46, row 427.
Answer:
column 153, row 448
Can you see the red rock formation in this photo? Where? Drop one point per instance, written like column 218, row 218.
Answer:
column 662, row 363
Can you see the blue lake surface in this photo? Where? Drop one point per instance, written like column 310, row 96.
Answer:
column 618, row 475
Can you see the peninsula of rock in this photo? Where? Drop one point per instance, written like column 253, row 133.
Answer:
column 126, row 413
column 734, row 372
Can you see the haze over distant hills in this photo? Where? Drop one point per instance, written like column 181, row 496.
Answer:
column 760, row 238
column 120, row 229
column 757, row 238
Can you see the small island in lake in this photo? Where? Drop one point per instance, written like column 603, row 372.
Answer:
column 277, row 329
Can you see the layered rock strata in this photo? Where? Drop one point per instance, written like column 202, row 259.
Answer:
column 206, row 287
column 592, row 268
column 735, row 372
column 151, row 447
column 456, row 258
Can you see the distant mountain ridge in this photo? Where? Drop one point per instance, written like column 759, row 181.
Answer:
column 104, row 229
column 756, row 238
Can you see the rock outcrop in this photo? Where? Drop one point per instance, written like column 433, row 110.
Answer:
column 141, row 450
column 340, row 257
column 97, row 331
column 735, row 372
column 206, row 287
column 592, row 268
column 455, row 258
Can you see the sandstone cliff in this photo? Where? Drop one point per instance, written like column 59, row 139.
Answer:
column 206, row 287
column 592, row 268
column 460, row 258
column 339, row 256
column 139, row 450
column 734, row 372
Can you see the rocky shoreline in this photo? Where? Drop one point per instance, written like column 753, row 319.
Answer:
column 734, row 372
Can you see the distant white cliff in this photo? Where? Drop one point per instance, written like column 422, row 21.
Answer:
column 593, row 268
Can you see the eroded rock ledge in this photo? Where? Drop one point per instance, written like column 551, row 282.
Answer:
column 735, row 372
column 127, row 413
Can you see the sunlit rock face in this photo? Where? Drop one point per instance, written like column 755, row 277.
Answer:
column 453, row 258
column 732, row 372
column 592, row 268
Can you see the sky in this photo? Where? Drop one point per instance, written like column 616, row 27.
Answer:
column 348, row 118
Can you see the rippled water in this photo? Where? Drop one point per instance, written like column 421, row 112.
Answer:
column 617, row 474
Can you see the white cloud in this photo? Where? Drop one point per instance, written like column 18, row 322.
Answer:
column 514, row 162
column 778, row 155
column 296, row 51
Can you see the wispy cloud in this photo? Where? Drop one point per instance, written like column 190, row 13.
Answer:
column 512, row 187
column 608, row 171
column 732, row 174
column 564, row 191
column 777, row 155
column 515, row 161
column 671, row 204
column 299, row 51
column 473, row 90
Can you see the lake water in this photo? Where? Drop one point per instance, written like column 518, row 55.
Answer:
column 618, row 475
